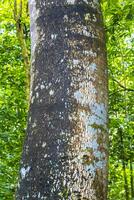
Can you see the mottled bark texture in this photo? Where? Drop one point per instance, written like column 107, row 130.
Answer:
column 65, row 151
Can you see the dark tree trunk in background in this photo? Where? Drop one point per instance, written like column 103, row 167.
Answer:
column 65, row 150
column 132, row 177
column 17, row 11
column 124, row 165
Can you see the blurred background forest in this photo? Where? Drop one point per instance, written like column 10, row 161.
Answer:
column 14, row 80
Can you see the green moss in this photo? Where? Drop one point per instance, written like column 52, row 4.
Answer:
column 98, row 126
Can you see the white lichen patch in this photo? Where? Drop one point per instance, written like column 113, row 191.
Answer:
column 94, row 119
column 36, row 88
column 51, row 92
column 86, row 93
column 50, row 84
column 54, row 36
column 93, row 67
column 99, row 113
column 62, row 133
column 93, row 54
column 37, row 95
column 75, row 62
column 24, row 171
column 39, row 195
column 34, row 125
column 91, row 143
column 62, row 60
column 65, row 18
column 43, row 144
column 29, row 119
column 86, row 32
column 100, row 164
column 42, row 86
column 87, row 16
column 70, row 1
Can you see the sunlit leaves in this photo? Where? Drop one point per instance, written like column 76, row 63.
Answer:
column 13, row 105
column 119, row 17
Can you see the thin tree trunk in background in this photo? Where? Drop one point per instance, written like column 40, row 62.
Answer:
column 124, row 165
column 131, row 178
column 125, row 180
column 22, row 42
column 65, row 150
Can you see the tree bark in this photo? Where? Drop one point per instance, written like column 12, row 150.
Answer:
column 65, row 151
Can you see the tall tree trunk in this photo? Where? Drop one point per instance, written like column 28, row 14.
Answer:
column 65, row 151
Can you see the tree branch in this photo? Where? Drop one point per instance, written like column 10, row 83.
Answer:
column 122, row 86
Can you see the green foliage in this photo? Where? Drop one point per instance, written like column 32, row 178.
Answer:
column 118, row 19
column 13, row 105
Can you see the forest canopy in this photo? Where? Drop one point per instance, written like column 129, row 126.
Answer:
column 118, row 18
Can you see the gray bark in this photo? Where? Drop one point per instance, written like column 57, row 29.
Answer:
column 65, row 150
